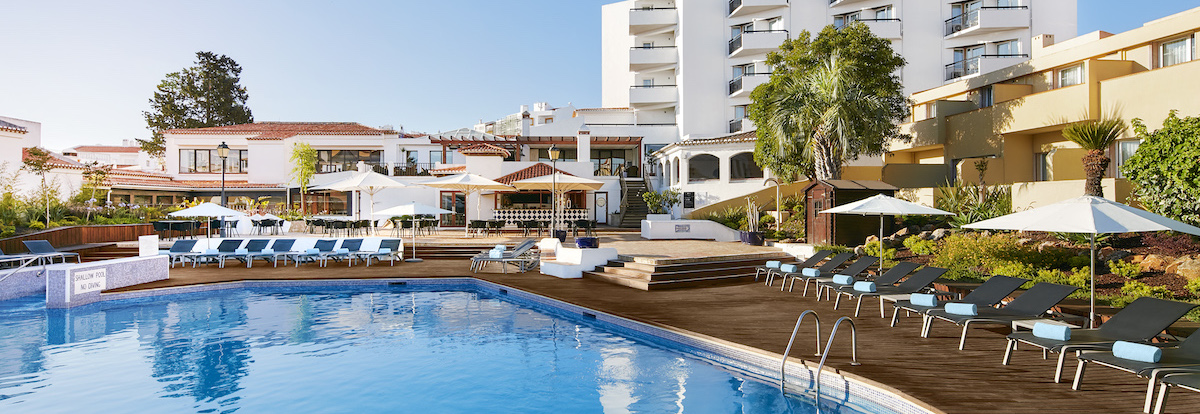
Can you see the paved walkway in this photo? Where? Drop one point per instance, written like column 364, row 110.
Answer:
column 932, row 369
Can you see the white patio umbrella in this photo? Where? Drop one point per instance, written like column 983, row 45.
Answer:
column 369, row 182
column 558, row 184
column 883, row 205
column 208, row 210
column 412, row 209
column 467, row 183
column 1087, row 215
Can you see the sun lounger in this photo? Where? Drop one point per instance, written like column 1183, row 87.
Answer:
column 829, row 266
column 227, row 246
column 180, row 251
column 315, row 254
column 1140, row 321
column 347, row 251
column 522, row 255
column 12, row 259
column 1183, row 356
column 915, row 283
column 991, row 292
column 253, row 246
column 1030, row 305
column 48, row 252
column 891, row 277
column 388, row 249
column 853, row 270
column 811, row 261
column 279, row 248
column 1189, row 381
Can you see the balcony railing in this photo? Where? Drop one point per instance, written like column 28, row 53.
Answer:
column 968, row 67
column 845, row 23
column 412, row 169
column 735, row 44
column 648, row 8
column 734, row 4
column 735, row 85
column 971, row 19
column 735, row 125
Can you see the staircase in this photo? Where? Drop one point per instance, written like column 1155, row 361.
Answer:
column 103, row 251
column 655, row 274
column 635, row 207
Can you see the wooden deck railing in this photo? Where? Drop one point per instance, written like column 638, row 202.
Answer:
column 76, row 235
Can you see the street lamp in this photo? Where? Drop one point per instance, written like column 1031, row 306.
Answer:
column 555, row 153
column 223, row 152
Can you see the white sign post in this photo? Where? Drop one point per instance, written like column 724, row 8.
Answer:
column 148, row 245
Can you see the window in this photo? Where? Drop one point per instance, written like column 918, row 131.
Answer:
column 647, row 45
column 568, row 154
column 704, row 167
column 775, row 24
column 883, row 13
column 739, row 111
column 1041, row 166
column 1125, row 150
column 346, row 160
column 548, row 120
column 1175, row 52
column 742, row 70
column 845, row 19
column 1070, row 76
column 742, row 166
column 648, row 83
column 1008, row 48
column 736, row 31
column 675, row 172
column 958, row 9
column 1008, row 3
column 207, row 161
column 985, row 96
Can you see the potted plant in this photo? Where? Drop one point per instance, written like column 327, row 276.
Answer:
column 660, row 203
column 752, row 236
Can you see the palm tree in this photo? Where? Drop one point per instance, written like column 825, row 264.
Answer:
column 826, row 112
column 1095, row 136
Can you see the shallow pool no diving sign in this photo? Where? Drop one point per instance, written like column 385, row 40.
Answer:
column 91, row 280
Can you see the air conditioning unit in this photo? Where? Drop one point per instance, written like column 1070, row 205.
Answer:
column 956, row 28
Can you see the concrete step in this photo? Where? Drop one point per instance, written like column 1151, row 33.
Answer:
column 647, row 285
column 710, row 263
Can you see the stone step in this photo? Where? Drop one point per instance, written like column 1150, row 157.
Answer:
column 647, row 285
column 710, row 263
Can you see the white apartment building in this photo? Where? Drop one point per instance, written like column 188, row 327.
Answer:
column 695, row 63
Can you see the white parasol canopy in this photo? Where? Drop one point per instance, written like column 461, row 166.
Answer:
column 559, row 184
column 369, row 182
column 467, row 183
column 882, row 205
column 206, row 210
column 412, row 209
column 1086, row 215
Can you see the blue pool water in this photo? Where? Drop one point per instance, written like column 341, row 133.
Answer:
column 257, row 351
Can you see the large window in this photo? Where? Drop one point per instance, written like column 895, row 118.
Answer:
column 568, row 154
column 1041, row 166
column 1125, row 150
column 614, row 161
column 346, row 160
column 1070, row 76
column 1175, row 52
column 742, row 167
column 207, row 161
column 704, row 167
column 1008, row 48
column 436, row 157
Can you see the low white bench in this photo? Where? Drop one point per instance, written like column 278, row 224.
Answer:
column 570, row 262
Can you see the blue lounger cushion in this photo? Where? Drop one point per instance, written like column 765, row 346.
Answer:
column 241, row 252
column 923, row 299
column 312, row 251
column 495, row 254
column 1137, row 352
column 267, row 251
column 864, row 286
column 343, row 251
column 968, row 309
column 843, row 279
column 211, row 251
column 789, row 268
column 500, row 247
column 810, row 272
column 1049, row 331
column 774, row 264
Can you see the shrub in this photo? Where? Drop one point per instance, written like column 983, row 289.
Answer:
column 1194, row 287
column 661, row 202
column 1078, row 261
column 963, row 199
column 1015, row 269
column 1079, row 277
column 790, row 229
column 1164, row 168
column 8, row 231
column 1126, row 269
column 1135, row 289
column 920, row 246
column 971, row 255
column 834, row 248
column 888, row 257
column 36, row 225
column 733, row 217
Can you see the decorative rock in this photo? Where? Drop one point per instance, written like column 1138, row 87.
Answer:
column 1024, row 242
column 871, row 239
column 1188, row 267
column 986, row 233
column 925, row 235
column 939, row 234
column 927, row 227
column 861, row 250
column 1117, row 255
column 1044, row 246
column 1155, row 263
column 903, row 232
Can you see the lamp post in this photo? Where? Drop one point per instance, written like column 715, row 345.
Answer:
column 223, row 152
column 554, row 154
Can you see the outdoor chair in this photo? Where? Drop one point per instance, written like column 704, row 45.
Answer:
column 496, row 226
column 1174, row 357
column 525, row 226
column 48, row 252
column 231, row 229
column 888, row 278
column 521, row 255
column 1030, row 305
column 829, row 266
column 227, row 246
column 279, row 248
column 1140, row 321
column 1189, row 381
column 810, row 262
column 585, row 225
column 243, row 254
column 180, row 251
column 347, row 251
column 10, row 259
column 388, row 249
column 476, row 227
column 314, row 254
column 853, row 270
column 991, row 292
column 163, row 229
column 918, row 282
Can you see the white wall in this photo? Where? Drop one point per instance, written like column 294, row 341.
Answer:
column 615, row 42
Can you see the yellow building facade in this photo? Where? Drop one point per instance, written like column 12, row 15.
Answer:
column 1013, row 118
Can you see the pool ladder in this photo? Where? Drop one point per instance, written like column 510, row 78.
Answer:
column 823, row 354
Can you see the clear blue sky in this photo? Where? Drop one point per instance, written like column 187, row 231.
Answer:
column 86, row 69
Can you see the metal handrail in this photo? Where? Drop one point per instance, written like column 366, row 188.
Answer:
column 24, row 265
column 853, row 348
column 786, row 352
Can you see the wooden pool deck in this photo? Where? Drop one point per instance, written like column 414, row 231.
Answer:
column 931, row 370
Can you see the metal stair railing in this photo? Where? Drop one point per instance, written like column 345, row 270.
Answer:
column 788, row 351
column 853, row 349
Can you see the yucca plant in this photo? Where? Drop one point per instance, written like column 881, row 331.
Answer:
column 1095, row 136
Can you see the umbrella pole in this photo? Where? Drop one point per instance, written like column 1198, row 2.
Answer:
column 414, row 258
column 1092, row 309
column 881, row 244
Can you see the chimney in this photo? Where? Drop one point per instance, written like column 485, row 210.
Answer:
column 1040, row 43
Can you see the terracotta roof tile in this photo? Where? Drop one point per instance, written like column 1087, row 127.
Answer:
column 8, row 126
column 280, row 130
column 56, row 160
column 483, row 149
column 457, row 169
column 536, row 170
column 183, row 184
column 107, row 148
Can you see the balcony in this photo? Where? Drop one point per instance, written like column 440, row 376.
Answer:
column 987, row 20
column 643, row 96
column 742, row 86
column 982, row 64
column 735, row 125
column 738, row 8
column 648, row 19
column 885, row 28
column 836, row 3
column 645, row 58
column 756, row 42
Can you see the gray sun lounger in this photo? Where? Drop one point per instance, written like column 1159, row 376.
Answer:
column 46, row 251
column 891, row 277
column 766, row 271
column 991, row 292
column 830, row 265
column 279, row 248
column 1140, row 321
column 315, row 254
column 811, row 261
column 180, row 251
column 227, row 246
column 1183, row 356
column 853, row 270
column 243, row 254
column 388, row 249
column 1189, row 381
column 914, row 284
column 18, row 258
column 1032, row 304
column 522, row 256
column 347, row 251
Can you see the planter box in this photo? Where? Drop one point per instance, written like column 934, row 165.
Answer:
column 658, row 217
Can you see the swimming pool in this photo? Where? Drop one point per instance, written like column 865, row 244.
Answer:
column 361, row 349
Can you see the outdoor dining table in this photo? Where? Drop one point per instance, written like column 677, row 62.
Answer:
column 183, row 227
